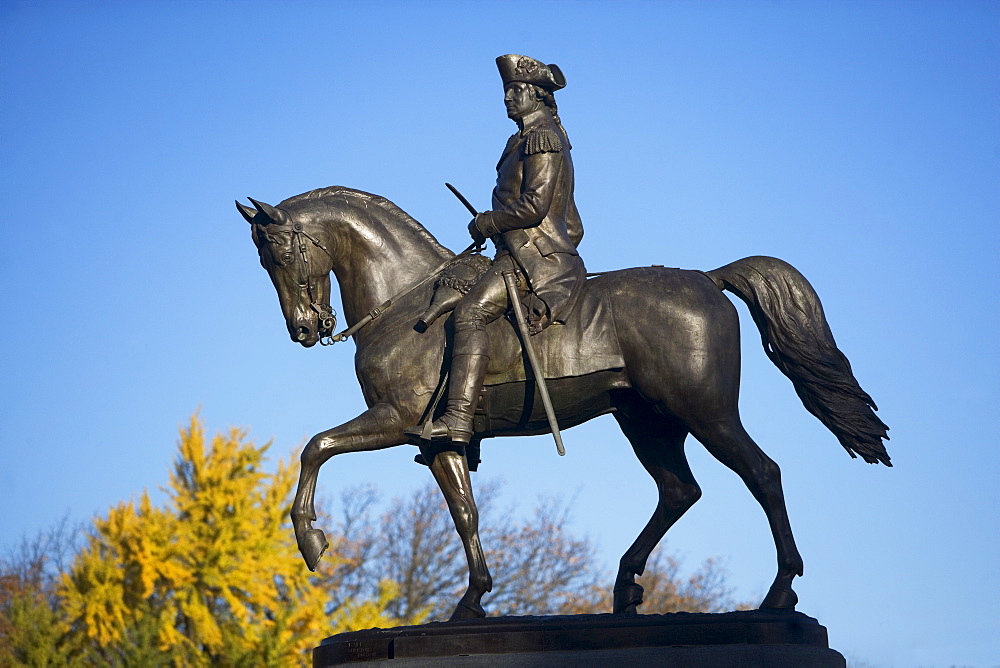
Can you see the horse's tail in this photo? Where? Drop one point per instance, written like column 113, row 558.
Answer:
column 798, row 340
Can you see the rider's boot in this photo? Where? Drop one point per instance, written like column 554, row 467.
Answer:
column 467, row 374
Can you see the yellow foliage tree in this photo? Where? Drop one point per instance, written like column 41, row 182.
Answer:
column 212, row 578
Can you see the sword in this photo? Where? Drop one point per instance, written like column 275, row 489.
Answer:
column 536, row 368
column 461, row 198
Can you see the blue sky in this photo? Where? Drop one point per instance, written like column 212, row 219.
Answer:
column 858, row 141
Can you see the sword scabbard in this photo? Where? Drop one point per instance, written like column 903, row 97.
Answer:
column 536, row 368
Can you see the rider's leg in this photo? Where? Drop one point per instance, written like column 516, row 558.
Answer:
column 486, row 302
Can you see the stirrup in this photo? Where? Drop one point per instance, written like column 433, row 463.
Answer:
column 439, row 432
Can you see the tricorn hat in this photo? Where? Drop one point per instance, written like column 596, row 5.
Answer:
column 528, row 70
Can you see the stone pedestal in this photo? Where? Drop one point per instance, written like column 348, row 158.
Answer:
column 750, row 639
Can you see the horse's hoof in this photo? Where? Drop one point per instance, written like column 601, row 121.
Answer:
column 467, row 611
column 312, row 545
column 627, row 598
column 779, row 598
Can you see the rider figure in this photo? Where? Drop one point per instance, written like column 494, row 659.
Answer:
column 535, row 228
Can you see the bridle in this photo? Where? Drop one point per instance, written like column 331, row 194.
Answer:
column 326, row 317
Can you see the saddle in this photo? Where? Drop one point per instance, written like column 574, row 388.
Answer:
column 585, row 344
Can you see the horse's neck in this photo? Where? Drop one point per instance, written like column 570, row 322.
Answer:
column 379, row 258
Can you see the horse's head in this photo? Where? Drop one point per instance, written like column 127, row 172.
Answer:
column 296, row 257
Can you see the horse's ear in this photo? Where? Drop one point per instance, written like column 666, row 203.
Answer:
column 246, row 211
column 274, row 214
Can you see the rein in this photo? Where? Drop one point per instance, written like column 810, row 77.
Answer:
column 384, row 306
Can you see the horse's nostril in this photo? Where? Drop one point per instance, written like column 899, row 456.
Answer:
column 303, row 334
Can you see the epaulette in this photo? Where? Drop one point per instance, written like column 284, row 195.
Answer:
column 542, row 140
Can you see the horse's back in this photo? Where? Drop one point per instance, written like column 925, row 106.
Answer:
column 663, row 295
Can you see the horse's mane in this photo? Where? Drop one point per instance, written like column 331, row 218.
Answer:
column 392, row 212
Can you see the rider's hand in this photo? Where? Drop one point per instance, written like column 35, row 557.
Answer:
column 476, row 235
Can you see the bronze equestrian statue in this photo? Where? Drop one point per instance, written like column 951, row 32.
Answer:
column 656, row 347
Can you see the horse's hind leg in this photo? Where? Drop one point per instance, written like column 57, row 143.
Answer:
column 451, row 470
column 729, row 442
column 659, row 444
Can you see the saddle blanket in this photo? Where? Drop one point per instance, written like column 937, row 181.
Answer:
column 585, row 344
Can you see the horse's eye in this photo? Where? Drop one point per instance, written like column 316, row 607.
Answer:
column 286, row 258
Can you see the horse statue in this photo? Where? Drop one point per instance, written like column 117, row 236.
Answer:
column 668, row 365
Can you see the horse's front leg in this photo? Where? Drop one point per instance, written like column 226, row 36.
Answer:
column 377, row 428
column 451, row 470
